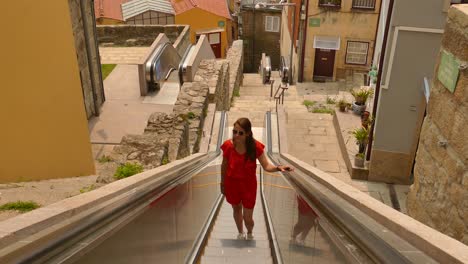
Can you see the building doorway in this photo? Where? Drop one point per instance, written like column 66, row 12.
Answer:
column 215, row 42
column 324, row 64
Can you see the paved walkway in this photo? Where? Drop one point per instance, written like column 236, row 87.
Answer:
column 311, row 137
column 124, row 111
column 122, row 55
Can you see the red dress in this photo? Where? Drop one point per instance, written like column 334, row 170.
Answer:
column 240, row 181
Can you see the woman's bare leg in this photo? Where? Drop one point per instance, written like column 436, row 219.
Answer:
column 248, row 219
column 237, row 213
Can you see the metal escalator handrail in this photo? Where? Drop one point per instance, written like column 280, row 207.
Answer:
column 195, row 253
column 376, row 249
column 94, row 226
column 276, row 250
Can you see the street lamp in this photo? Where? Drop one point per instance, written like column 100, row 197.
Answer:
column 293, row 5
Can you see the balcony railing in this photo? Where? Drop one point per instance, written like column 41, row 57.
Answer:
column 330, row 3
column 364, row 4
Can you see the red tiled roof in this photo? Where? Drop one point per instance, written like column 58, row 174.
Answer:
column 217, row 7
column 109, row 9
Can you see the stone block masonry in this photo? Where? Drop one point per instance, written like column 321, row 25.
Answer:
column 168, row 137
column 87, row 56
column 439, row 195
column 135, row 35
column 235, row 56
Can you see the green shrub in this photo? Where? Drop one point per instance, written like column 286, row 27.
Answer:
column 308, row 103
column 105, row 159
column 191, row 115
column 127, row 170
column 323, row 111
column 236, row 93
column 331, row 100
column 21, row 206
column 164, row 161
column 87, row 188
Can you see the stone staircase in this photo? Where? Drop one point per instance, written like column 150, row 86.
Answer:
column 254, row 100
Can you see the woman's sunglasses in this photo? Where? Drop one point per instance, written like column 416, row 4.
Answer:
column 237, row 132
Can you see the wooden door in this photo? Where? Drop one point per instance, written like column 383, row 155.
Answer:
column 215, row 42
column 324, row 63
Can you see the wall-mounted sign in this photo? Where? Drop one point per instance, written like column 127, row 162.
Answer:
column 448, row 71
column 314, row 22
column 220, row 23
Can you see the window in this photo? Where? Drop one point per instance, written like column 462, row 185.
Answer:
column 272, row 24
column 330, row 3
column 364, row 4
column 356, row 52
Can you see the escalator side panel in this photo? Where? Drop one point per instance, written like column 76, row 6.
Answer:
column 165, row 232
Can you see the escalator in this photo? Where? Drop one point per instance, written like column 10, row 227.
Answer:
column 180, row 217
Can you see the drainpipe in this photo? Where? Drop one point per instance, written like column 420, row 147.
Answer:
column 88, row 52
column 304, row 38
column 379, row 77
column 253, row 42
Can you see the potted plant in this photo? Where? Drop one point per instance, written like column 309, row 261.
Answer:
column 366, row 119
column 373, row 76
column 359, row 160
column 361, row 135
column 360, row 96
column 343, row 105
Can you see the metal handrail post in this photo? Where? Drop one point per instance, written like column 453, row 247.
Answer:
column 271, row 87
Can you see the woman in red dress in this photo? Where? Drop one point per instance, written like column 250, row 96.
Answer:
column 238, row 173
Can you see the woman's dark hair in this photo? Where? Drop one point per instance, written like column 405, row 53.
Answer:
column 251, row 152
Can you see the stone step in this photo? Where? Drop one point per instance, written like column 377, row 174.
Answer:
column 266, row 98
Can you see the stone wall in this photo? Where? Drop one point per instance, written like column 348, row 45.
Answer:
column 439, row 195
column 87, row 55
column 209, row 86
column 235, row 57
column 135, row 35
column 169, row 137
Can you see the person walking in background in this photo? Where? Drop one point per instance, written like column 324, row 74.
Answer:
column 238, row 174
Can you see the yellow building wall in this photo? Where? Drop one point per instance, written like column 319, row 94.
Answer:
column 44, row 130
column 350, row 25
column 199, row 19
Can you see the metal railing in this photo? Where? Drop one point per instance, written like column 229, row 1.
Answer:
column 364, row 4
column 279, row 94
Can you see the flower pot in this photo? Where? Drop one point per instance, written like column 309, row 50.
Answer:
column 358, row 109
column 358, row 161
column 342, row 108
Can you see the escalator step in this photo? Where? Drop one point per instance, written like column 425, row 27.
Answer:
column 237, row 260
column 247, row 252
column 235, row 243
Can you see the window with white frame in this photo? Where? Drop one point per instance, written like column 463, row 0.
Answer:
column 272, row 23
column 356, row 52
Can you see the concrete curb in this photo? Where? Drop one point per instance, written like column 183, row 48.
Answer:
column 435, row 244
